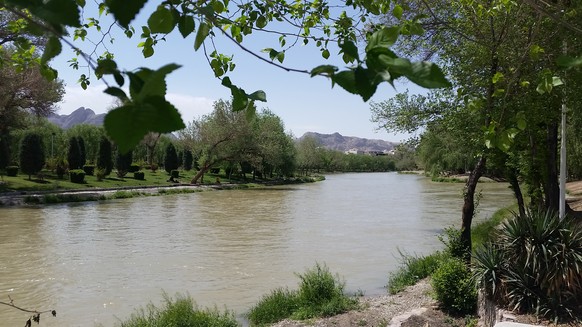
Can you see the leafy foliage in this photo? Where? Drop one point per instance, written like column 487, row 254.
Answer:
column 74, row 156
column 320, row 294
column 123, row 162
column 146, row 109
column 534, row 265
column 32, row 158
column 105, row 158
column 180, row 312
column 171, row 158
column 454, row 288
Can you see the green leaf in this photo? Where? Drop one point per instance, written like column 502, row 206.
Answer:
column 147, row 51
column 203, row 31
column 350, row 51
column 258, row 96
column 116, row 92
column 261, row 22
column 281, row 56
column 364, row 84
column 127, row 125
column 384, row 38
column 106, row 67
column 397, row 11
column 161, row 21
column 498, row 77
column 119, row 78
column 186, row 25
column 556, row 81
column 428, row 75
column 569, row 62
column 326, row 70
column 52, row 49
column 325, row 53
column 125, row 11
column 347, row 80
column 59, row 12
column 521, row 121
column 154, row 82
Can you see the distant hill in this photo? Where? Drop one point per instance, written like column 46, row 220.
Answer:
column 80, row 116
column 338, row 142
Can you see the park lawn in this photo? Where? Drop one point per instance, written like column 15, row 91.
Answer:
column 51, row 182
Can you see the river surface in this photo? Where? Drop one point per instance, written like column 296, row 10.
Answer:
column 95, row 263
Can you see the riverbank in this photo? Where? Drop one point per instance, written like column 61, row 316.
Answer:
column 19, row 198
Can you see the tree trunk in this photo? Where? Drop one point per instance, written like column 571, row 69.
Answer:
column 514, row 183
column 469, row 206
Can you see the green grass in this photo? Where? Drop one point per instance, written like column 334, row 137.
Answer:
column 181, row 312
column 484, row 231
column 320, row 294
column 51, row 182
column 413, row 269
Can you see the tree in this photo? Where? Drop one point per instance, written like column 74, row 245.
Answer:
column 171, row 158
column 123, row 162
column 91, row 136
column 324, row 26
column 105, row 160
column 74, row 154
column 223, row 135
column 82, row 152
column 309, row 154
column 32, row 158
column 188, row 160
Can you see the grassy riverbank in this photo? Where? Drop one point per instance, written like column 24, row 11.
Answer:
column 20, row 190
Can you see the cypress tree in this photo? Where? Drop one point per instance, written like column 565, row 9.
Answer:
column 4, row 152
column 82, row 152
column 32, row 157
column 188, row 160
column 122, row 163
column 105, row 159
column 171, row 158
column 74, row 155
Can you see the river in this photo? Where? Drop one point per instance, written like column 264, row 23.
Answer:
column 95, row 263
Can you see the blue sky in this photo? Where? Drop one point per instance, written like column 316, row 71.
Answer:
column 304, row 103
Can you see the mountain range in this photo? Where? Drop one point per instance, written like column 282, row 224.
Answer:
column 334, row 141
column 80, row 116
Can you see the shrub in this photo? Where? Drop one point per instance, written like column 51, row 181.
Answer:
column 274, row 307
column 320, row 294
column 105, row 159
column 454, row 288
column 214, row 170
column 60, row 170
column 122, row 163
column 77, row 175
column 133, row 168
column 181, row 312
column 175, row 173
column 139, row 175
column 89, row 169
column 100, row 174
column 11, row 171
column 413, row 269
column 534, row 265
column 453, row 243
column 74, row 155
column 154, row 168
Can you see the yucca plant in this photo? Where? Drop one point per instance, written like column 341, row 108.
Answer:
column 535, row 265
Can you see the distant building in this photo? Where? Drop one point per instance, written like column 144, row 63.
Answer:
column 354, row 151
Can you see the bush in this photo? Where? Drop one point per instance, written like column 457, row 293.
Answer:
column 413, row 269
column 453, row 244
column 100, row 174
column 175, row 173
column 77, row 175
column 133, row 168
column 274, row 307
column 454, row 288
column 320, row 294
column 534, row 265
column 11, row 171
column 181, row 312
column 89, row 169
column 214, row 170
column 139, row 175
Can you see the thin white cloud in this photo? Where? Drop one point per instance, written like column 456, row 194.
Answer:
column 93, row 98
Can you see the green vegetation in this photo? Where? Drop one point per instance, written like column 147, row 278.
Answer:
column 179, row 312
column 533, row 265
column 454, row 287
column 320, row 294
column 412, row 269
